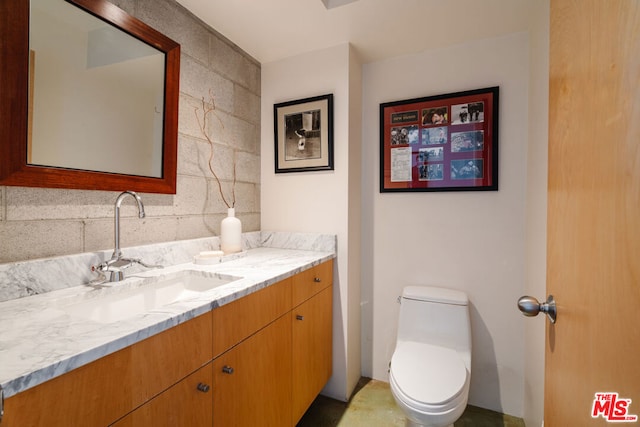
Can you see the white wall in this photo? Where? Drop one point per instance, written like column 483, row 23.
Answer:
column 537, row 213
column 474, row 241
column 326, row 201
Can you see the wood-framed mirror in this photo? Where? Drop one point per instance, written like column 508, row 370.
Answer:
column 28, row 154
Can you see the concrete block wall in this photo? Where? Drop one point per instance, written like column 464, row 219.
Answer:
column 41, row 222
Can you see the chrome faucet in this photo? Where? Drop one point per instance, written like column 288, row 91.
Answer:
column 117, row 263
column 117, row 253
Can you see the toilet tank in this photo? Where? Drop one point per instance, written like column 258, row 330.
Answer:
column 436, row 316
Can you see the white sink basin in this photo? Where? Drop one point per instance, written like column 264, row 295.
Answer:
column 121, row 305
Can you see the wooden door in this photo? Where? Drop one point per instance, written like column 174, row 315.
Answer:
column 252, row 381
column 593, row 246
column 312, row 339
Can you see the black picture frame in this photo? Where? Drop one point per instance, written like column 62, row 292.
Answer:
column 303, row 134
column 446, row 142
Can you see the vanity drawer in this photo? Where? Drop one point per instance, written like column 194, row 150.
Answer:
column 309, row 282
column 99, row 393
column 241, row 318
column 187, row 403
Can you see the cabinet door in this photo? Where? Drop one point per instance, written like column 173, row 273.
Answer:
column 312, row 349
column 187, row 403
column 252, row 381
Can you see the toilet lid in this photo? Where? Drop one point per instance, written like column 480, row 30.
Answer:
column 427, row 373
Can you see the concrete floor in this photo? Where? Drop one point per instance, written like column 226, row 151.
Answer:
column 372, row 405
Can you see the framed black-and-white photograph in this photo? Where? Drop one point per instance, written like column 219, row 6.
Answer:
column 304, row 134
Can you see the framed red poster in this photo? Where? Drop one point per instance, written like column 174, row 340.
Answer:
column 440, row 143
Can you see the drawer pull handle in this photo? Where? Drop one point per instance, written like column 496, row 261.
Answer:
column 317, row 279
column 299, row 317
column 203, row 387
column 227, row 370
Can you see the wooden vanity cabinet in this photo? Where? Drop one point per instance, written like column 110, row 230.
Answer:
column 103, row 391
column 273, row 351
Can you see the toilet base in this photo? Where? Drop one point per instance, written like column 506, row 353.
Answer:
column 443, row 417
column 410, row 423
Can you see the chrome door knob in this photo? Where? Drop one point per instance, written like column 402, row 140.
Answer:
column 529, row 306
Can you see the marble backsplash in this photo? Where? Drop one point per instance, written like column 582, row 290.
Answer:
column 21, row 279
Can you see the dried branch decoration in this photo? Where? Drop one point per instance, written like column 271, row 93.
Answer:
column 208, row 110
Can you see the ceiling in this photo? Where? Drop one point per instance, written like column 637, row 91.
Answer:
column 270, row 30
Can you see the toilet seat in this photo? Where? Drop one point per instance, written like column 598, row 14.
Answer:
column 428, row 377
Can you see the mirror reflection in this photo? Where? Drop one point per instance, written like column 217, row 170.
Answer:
column 96, row 94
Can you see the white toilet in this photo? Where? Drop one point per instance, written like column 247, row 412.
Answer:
column 431, row 365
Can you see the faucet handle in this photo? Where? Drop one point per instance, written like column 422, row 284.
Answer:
column 99, row 269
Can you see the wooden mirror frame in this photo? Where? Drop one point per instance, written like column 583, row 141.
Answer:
column 14, row 75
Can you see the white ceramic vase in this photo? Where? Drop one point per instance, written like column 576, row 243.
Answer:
column 231, row 233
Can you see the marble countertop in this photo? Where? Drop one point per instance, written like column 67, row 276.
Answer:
column 39, row 340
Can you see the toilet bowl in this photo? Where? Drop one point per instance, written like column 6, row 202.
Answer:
column 431, row 365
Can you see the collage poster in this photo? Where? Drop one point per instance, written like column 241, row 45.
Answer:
column 446, row 142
